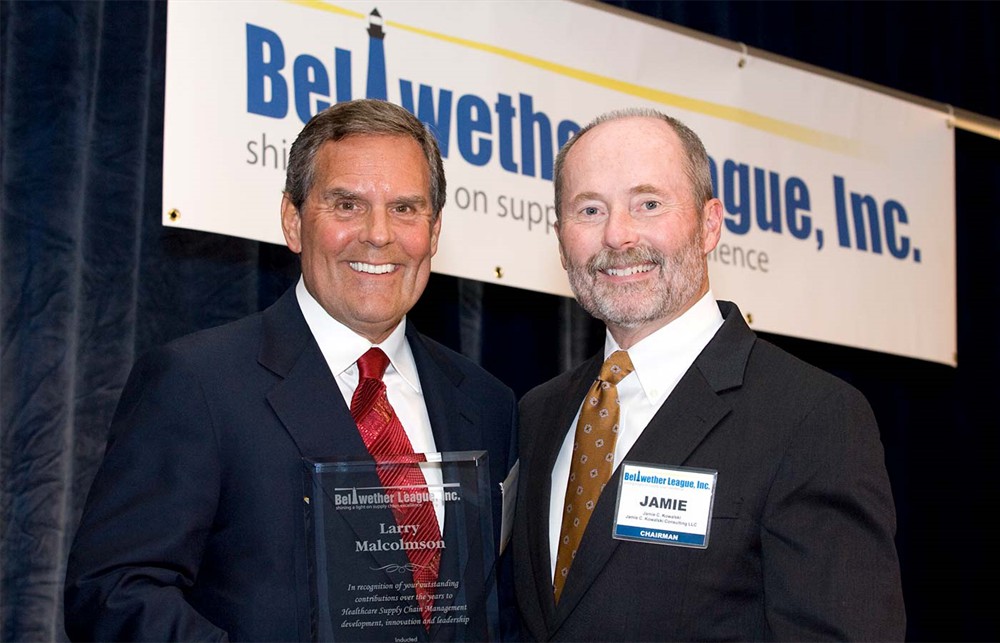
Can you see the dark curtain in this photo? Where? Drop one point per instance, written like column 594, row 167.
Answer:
column 90, row 279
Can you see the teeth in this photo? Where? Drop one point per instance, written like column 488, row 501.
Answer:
column 631, row 270
column 372, row 269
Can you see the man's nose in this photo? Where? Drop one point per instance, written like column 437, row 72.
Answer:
column 378, row 228
column 621, row 230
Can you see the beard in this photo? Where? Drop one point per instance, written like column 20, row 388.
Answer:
column 630, row 305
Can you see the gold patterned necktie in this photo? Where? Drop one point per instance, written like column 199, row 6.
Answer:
column 593, row 460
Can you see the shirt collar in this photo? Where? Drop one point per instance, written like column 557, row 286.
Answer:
column 662, row 358
column 341, row 346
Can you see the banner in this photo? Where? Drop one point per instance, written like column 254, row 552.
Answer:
column 840, row 218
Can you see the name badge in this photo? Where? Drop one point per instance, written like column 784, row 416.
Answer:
column 664, row 505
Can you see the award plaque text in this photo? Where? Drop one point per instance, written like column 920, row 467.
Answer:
column 361, row 577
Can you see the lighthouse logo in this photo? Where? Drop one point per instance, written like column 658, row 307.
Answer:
column 267, row 85
column 376, row 57
column 507, row 130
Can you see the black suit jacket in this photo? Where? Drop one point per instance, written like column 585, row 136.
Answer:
column 801, row 541
column 193, row 529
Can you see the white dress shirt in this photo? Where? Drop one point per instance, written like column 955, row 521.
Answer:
column 660, row 360
column 341, row 347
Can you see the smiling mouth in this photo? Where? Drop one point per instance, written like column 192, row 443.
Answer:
column 629, row 270
column 371, row 268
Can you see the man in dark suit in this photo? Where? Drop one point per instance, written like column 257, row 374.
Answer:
column 194, row 528
column 798, row 542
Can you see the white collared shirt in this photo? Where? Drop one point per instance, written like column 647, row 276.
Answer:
column 660, row 360
column 341, row 348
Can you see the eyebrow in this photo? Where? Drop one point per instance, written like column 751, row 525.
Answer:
column 339, row 193
column 645, row 187
column 415, row 201
column 585, row 196
column 638, row 189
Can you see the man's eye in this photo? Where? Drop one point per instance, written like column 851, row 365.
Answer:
column 591, row 211
column 650, row 205
column 347, row 205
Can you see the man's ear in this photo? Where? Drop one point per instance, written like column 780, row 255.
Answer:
column 711, row 224
column 291, row 224
column 435, row 234
column 562, row 255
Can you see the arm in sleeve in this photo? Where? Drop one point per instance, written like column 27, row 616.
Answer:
column 148, row 515
column 829, row 560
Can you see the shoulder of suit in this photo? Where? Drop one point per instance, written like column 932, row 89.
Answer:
column 555, row 388
column 474, row 374
column 783, row 373
column 765, row 362
column 213, row 348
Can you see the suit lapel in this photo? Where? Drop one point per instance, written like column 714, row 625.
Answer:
column 307, row 400
column 309, row 403
column 454, row 417
column 688, row 415
column 556, row 420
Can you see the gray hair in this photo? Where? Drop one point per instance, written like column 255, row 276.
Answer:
column 696, row 168
column 362, row 117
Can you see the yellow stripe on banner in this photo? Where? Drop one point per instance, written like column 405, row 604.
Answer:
column 744, row 117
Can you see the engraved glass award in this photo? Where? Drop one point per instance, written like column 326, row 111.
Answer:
column 367, row 554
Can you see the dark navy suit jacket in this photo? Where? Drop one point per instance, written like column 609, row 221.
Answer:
column 801, row 538
column 193, row 529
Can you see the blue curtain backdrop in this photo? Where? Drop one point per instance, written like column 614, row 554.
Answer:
column 90, row 279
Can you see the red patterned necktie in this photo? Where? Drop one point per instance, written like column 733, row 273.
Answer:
column 384, row 436
column 592, row 463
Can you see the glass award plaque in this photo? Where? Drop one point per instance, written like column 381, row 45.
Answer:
column 365, row 581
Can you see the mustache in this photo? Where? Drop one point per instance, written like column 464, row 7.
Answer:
column 607, row 258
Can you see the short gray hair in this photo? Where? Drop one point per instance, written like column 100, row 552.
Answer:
column 362, row 117
column 696, row 168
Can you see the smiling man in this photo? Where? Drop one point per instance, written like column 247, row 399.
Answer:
column 194, row 528
column 772, row 516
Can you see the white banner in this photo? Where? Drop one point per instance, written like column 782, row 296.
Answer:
column 839, row 200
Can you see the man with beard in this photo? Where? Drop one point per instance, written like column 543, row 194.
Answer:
column 691, row 481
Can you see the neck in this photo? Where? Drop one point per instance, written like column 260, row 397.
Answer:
column 628, row 336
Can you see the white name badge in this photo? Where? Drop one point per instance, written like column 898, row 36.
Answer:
column 664, row 505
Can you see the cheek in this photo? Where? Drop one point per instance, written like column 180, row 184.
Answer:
column 669, row 239
column 330, row 240
column 578, row 246
column 418, row 244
